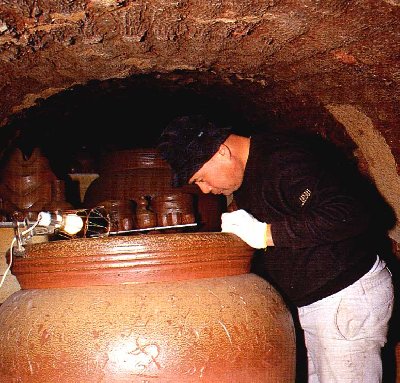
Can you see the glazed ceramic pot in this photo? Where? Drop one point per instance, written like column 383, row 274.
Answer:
column 164, row 308
column 145, row 216
column 173, row 208
column 122, row 214
column 26, row 181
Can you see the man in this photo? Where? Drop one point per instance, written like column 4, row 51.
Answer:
column 314, row 232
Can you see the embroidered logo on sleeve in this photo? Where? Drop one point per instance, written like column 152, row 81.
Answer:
column 304, row 196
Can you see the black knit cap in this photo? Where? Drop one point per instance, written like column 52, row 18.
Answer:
column 188, row 142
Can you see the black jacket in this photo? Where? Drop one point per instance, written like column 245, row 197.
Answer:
column 319, row 224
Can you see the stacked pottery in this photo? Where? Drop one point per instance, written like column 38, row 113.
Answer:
column 132, row 174
column 28, row 185
column 164, row 308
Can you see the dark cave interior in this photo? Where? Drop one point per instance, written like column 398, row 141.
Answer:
column 119, row 114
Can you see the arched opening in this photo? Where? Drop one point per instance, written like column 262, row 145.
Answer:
column 130, row 113
column 73, row 69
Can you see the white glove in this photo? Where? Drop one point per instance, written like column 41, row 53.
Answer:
column 245, row 226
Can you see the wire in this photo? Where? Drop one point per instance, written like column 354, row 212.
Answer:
column 12, row 246
column 10, row 263
column 34, row 225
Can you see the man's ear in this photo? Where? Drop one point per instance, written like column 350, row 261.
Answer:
column 224, row 151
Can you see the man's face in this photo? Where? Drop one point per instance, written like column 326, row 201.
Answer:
column 222, row 174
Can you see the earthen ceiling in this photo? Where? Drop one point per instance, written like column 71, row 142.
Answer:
column 330, row 66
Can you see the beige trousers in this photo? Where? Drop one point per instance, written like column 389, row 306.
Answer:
column 344, row 333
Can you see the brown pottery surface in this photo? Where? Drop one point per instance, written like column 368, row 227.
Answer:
column 58, row 200
column 145, row 216
column 122, row 214
column 132, row 174
column 26, row 181
column 165, row 308
column 173, row 208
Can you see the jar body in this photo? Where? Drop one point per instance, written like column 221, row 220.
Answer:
column 163, row 308
column 231, row 329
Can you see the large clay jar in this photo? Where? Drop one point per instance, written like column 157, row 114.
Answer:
column 167, row 308
column 132, row 174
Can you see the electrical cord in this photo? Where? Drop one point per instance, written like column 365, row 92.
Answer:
column 9, row 264
column 27, row 231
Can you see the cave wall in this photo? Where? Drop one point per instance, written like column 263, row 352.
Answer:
column 302, row 63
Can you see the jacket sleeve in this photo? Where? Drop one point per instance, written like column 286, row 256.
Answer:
column 320, row 206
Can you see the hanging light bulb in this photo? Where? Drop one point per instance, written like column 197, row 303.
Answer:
column 72, row 224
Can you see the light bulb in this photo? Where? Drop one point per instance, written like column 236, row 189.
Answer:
column 86, row 223
column 71, row 223
column 44, row 219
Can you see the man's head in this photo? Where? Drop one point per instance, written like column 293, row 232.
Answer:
column 188, row 142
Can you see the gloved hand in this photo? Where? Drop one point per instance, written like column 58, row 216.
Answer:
column 245, row 226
